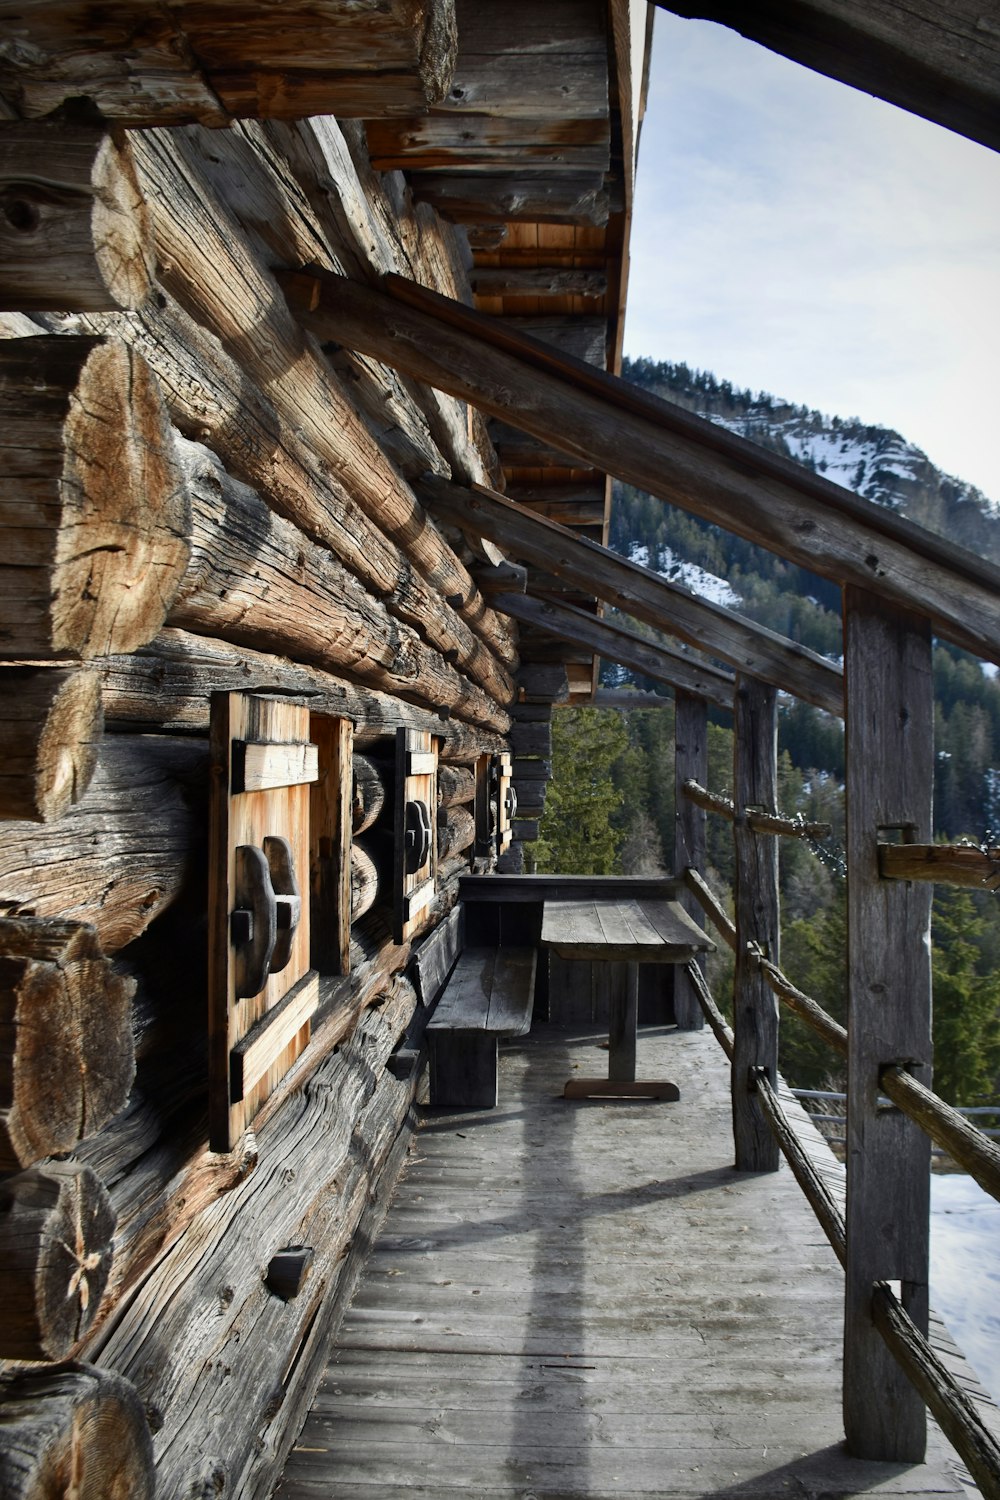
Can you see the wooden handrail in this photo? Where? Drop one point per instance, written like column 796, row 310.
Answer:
column 712, row 907
column 945, row 1126
column 805, row 1007
column 756, row 818
column 713, row 1015
column 817, row 1193
column 959, row 1420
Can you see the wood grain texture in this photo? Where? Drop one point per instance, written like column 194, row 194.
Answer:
column 67, row 1058
column 74, row 231
column 755, row 777
column 667, row 452
column 74, row 1429
column 56, row 1228
column 94, row 518
column 640, row 593
column 211, row 64
column 169, row 684
column 51, row 721
column 944, row 68
column 125, row 851
column 332, row 808
column 890, row 763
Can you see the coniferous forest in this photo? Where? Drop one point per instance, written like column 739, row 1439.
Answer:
column 610, row 806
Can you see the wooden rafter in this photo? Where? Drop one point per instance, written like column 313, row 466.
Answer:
column 941, row 62
column 686, row 460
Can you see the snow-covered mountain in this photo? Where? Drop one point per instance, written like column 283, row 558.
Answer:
column 873, row 461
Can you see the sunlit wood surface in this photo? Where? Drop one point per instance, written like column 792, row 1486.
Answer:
column 586, row 1300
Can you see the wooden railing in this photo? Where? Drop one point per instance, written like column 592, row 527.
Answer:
column 954, row 1410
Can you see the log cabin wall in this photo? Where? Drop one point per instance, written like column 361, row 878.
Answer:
column 201, row 500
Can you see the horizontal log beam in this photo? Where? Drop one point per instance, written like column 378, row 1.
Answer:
column 51, row 720
column 755, row 819
column 169, row 683
column 640, row 593
column 602, row 421
column 618, row 644
column 538, row 281
column 67, row 1057
column 941, row 64
column 944, row 864
column 75, row 235
column 211, row 64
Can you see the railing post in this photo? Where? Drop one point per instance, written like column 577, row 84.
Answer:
column 755, row 777
column 890, row 768
column 690, row 763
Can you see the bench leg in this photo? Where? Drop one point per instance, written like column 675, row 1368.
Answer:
column 463, row 1069
column 624, row 1016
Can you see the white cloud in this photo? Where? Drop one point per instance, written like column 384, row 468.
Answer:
column 798, row 236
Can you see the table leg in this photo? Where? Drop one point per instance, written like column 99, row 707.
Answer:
column 622, row 1030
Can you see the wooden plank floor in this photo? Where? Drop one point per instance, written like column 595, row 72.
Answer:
column 585, row 1300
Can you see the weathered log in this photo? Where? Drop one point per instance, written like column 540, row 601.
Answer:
column 336, row 1126
column 690, row 848
column 805, row 1007
column 210, row 64
column 66, row 1051
column 532, row 739
column 368, row 797
column 537, row 281
column 819, row 1197
column 448, row 142
column 542, row 684
column 56, row 1228
column 754, row 818
column 713, row 1015
column 640, row 593
column 94, row 525
column 889, row 744
column 75, row 1431
column 169, row 683
column 125, row 851
column 755, row 1012
column 455, row 784
column 239, row 585
column 51, row 721
column 74, row 232
column 973, row 1151
column 365, row 880
column 566, row 504
column 712, row 907
column 616, row 642
column 465, row 198
column 456, row 830
column 653, row 444
column 961, row 1423
column 208, row 266
column 945, row 864
column 942, row 68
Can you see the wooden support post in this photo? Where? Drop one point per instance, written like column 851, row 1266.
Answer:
column 690, row 760
column 890, row 766
column 755, row 775
column 624, row 1014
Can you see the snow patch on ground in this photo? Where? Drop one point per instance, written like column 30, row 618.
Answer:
column 965, row 1270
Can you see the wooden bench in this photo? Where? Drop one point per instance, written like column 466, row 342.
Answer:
column 489, row 995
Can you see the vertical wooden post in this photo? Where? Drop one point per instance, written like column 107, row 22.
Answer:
column 890, row 771
column 690, row 763
column 755, row 776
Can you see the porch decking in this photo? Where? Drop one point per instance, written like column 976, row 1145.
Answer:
column 586, row 1300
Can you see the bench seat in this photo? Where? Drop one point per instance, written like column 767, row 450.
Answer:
column 489, row 995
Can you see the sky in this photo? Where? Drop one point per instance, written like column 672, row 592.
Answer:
column 797, row 236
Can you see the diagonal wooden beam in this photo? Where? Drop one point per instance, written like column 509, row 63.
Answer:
column 615, row 643
column 938, row 61
column 639, row 592
column 609, row 425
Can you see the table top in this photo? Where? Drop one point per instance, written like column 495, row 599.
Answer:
column 615, row 928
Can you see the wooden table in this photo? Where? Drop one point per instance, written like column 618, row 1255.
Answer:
column 621, row 929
